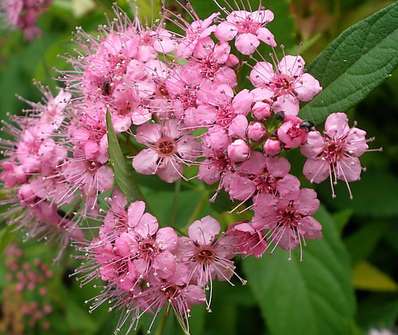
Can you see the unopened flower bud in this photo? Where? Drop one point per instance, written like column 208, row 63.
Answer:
column 256, row 131
column 261, row 110
column 238, row 151
column 272, row 147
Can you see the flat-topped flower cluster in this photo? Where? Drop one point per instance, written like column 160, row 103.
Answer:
column 174, row 91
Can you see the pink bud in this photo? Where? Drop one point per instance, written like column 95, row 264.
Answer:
column 238, row 151
column 272, row 147
column 291, row 133
column 256, row 131
column 232, row 61
column 261, row 110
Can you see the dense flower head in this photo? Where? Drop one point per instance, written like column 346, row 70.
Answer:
column 153, row 267
column 177, row 100
column 31, row 160
column 23, row 15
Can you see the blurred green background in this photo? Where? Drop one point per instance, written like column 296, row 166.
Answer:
column 347, row 283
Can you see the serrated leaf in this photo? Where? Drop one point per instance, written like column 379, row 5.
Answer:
column 122, row 171
column 311, row 297
column 354, row 64
column 368, row 277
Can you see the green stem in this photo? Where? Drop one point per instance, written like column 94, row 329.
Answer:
column 174, row 209
column 162, row 324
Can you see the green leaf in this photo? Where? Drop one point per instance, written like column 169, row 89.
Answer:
column 354, row 64
column 311, row 297
column 361, row 243
column 123, row 172
column 377, row 189
column 367, row 277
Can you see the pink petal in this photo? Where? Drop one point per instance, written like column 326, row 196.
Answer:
column 242, row 102
column 170, row 171
column 262, row 16
column 146, row 162
column 171, row 129
column 310, row 228
column 287, row 104
column 288, row 187
column 247, row 43
column 135, row 212
column 316, row 170
column 226, row 31
column 278, row 166
column 263, row 34
column 147, row 226
column 306, row 87
column 307, row 202
column 262, row 74
column 148, row 134
column 349, row 169
column 204, row 231
column 104, row 177
column 336, row 125
column 166, row 238
column 314, row 145
column 241, row 188
column 238, row 127
column 165, row 264
column 292, row 66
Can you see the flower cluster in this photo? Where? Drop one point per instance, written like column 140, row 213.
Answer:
column 23, row 15
column 32, row 157
column 174, row 97
column 147, row 267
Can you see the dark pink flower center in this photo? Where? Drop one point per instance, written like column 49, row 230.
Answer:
column 166, row 146
column 225, row 115
column 289, row 217
column 209, row 68
column 248, row 26
column 92, row 166
column 333, row 150
column 282, row 84
column 205, row 256
column 148, row 248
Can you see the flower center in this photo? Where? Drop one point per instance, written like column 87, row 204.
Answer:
column 205, row 256
column 248, row 26
column 92, row 166
column 289, row 216
column 333, row 151
column 166, row 146
column 225, row 115
column 282, row 84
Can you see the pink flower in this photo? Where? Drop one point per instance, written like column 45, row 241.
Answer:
column 207, row 257
column 248, row 28
column 288, row 219
column 194, row 33
column 168, row 150
column 246, row 240
column 257, row 175
column 291, row 133
column 213, row 60
column 288, row 82
column 89, row 176
column 335, row 154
